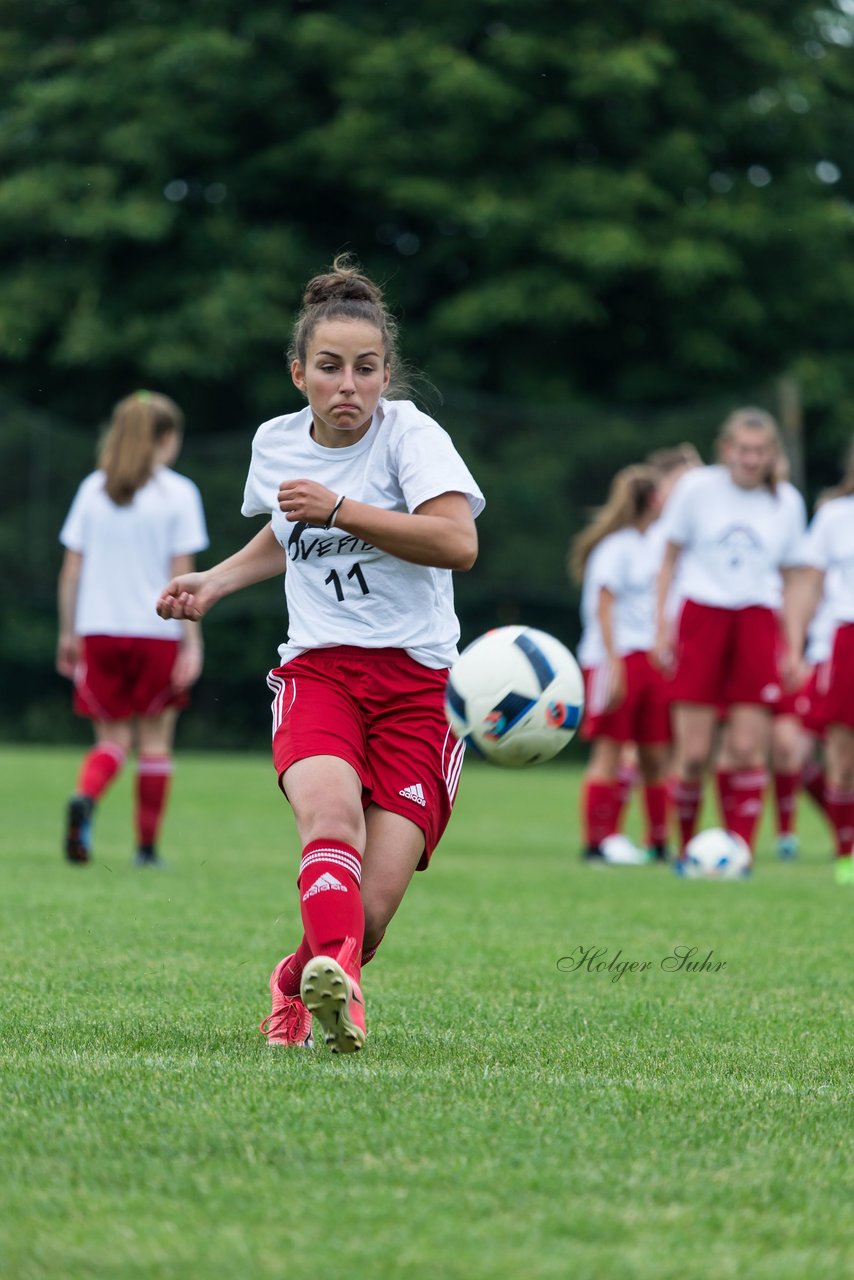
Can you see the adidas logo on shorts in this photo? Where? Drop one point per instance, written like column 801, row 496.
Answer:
column 414, row 793
column 323, row 884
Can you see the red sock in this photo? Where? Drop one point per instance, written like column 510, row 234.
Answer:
column 153, row 776
column 289, row 978
column 740, row 793
column 99, row 768
column 686, row 797
column 600, row 805
column 329, row 878
column 840, row 810
column 372, row 951
column 785, row 791
column 627, row 776
column 655, row 800
column 813, row 782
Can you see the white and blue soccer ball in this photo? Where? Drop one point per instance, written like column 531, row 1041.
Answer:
column 620, row 851
column 516, row 695
column 715, row 854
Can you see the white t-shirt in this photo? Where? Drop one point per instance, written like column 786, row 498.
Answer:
column 734, row 541
column 590, row 651
column 127, row 552
column 829, row 545
column 339, row 589
column 627, row 566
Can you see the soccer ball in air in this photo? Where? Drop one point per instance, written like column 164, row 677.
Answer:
column 516, row 695
column 715, row 855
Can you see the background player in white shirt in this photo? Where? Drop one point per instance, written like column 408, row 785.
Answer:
column 371, row 509
column 617, row 559
column 131, row 522
column 827, row 555
column 735, row 528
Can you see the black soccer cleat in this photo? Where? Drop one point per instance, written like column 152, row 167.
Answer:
column 78, row 829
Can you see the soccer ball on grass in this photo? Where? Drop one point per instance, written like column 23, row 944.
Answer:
column 516, row 695
column 715, row 855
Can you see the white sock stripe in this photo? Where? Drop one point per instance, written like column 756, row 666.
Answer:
column 748, row 780
column 336, row 856
column 338, row 862
column 837, row 796
column 113, row 749
column 155, row 768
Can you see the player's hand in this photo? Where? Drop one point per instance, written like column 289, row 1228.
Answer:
column 190, row 596
column 662, row 653
column 188, row 666
column 793, row 671
column 68, row 655
column 306, row 500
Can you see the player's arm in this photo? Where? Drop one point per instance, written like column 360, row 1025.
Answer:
column 191, row 655
column 68, row 644
column 192, row 595
column 802, row 592
column 663, row 649
column 440, row 532
column 616, row 665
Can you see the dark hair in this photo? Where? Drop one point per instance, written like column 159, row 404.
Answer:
column 629, row 499
column 138, row 425
column 345, row 293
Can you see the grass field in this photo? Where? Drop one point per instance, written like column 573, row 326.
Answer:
column 507, row 1118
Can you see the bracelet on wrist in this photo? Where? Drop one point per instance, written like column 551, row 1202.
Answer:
column 333, row 514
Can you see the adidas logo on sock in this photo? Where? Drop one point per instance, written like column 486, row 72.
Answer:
column 414, row 793
column 322, row 884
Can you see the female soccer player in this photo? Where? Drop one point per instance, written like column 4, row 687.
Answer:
column 617, row 558
column 828, row 560
column 132, row 522
column 736, row 529
column 372, row 508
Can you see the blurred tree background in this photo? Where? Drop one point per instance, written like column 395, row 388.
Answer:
column 601, row 226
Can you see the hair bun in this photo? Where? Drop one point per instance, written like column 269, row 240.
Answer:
column 344, row 281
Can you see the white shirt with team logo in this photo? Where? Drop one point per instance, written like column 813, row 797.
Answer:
column 734, row 541
column 128, row 551
column 829, row 546
column 339, row 589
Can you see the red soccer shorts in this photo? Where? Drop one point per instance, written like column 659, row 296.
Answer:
column 839, row 698
column 811, row 700
column 384, row 714
column 123, row 676
column 727, row 656
column 644, row 714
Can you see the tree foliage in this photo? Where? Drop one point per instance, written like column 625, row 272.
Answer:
column 634, row 201
column 588, row 217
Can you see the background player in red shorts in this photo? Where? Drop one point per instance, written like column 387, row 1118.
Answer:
column 372, row 508
column 132, row 521
column 618, row 557
column 827, row 555
column 734, row 527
